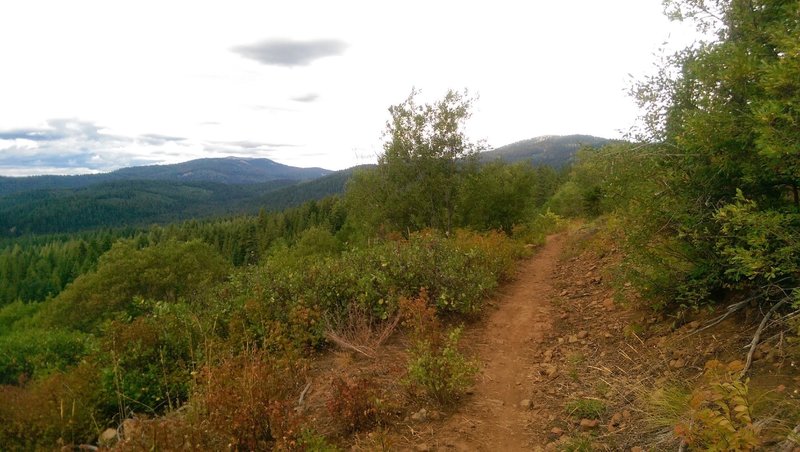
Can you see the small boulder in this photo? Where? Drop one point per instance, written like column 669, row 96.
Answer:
column 108, row 437
column 420, row 416
column 525, row 404
column 588, row 424
column 583, row 334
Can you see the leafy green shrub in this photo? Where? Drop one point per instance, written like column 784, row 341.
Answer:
column 441, row 370
column 286, row 297
column 169, row 271
column 500, row 195
column 12, row 314
column 536, row 230
column 567, row 200
column 720, row 412
column 32, row 353
column 146, row 366
column 758, row 246
column 458, row 273
column 316, row 241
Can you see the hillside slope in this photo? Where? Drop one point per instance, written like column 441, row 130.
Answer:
column 552, row 150
column 228, row 170
column 145, row 202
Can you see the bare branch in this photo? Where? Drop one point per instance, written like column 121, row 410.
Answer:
column 730, row 310
column 757, row 336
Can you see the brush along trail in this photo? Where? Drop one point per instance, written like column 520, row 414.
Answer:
column 498, row 412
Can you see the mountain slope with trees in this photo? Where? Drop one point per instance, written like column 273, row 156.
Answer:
column 552, row 150
column 229, row 170
column 138, row 203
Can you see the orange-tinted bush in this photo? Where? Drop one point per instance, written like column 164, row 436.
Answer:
column 420, row 317
column 246, row 399
column 57, row 410
column 353, row 404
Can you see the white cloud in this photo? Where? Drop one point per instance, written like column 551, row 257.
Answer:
column 290, row 52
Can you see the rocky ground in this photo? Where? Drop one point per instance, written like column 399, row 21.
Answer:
column 570, row 363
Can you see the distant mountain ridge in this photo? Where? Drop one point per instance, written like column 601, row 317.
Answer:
column 227, row 170
column 552, row 150
column 205, row 188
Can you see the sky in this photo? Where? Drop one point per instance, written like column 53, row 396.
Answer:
column 92, row 86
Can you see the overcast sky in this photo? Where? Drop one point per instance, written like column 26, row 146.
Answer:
column 88, row 86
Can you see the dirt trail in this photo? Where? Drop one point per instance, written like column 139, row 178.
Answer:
column 506, row 345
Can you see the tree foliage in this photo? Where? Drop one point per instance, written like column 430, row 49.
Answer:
column 420, row 173
column 172, row 271
column 499, row 196
column 723, row 119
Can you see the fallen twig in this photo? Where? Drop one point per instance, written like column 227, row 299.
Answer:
column 791, row 441
column 338, row 340
column 729, row 310
column 303, row 394
column 757, row 336
column 360, row 329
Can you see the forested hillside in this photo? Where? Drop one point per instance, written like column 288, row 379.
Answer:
column 383, row 317
column 556, row 151
column 139, row 203
column 230, row 170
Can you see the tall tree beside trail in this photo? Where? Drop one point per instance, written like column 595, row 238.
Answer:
column 731, row 108
column 725, row 114
column 419, row 176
